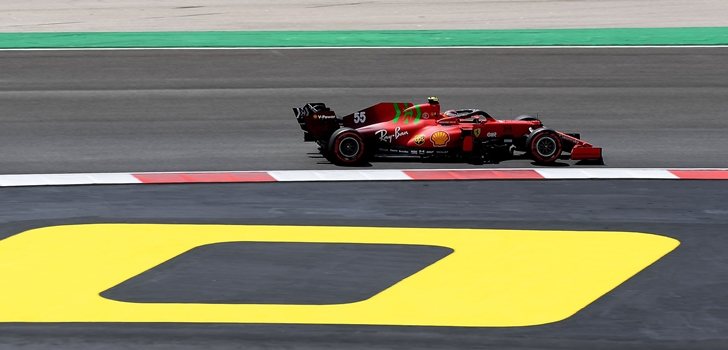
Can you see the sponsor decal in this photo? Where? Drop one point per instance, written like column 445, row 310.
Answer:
column 476, row 132
column 425, row 115
column 491, row 134
column 419, row 140
column 384, row 135
column 408, row 115
column 360, row 117
column 318, row 116
column 440, row 139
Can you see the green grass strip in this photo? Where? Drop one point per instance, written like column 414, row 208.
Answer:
column 369, row 38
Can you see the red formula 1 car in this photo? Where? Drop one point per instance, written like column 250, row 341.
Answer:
column 404, row 129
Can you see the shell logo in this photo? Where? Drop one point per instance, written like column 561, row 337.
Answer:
column 419, row 140
column 440, row 139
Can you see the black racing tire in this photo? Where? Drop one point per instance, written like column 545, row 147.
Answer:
column 544, row 145
column 527, row 118
column 346, row 147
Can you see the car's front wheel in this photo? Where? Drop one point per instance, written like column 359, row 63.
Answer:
column 544, row 146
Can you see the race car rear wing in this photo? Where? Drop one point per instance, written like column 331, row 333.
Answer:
column 317, row 121
column 310, row 109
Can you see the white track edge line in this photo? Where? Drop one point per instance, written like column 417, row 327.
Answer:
column 15, row 180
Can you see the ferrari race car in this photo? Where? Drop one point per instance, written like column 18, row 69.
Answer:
column 405, row 129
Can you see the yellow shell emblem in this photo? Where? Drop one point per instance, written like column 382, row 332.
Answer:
column 440, row 139
column 419, row 140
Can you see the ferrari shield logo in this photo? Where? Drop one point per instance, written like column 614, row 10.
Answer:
column 476, row 132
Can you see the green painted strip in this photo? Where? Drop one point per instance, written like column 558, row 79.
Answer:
column 396, row 112
column 396, row 38
column 408, row 115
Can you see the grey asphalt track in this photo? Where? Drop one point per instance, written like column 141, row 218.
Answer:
column 676, row 303
column 277, row 273
column 171, row 110
column 158, row 110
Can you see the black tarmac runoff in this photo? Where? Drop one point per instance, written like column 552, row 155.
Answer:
column 676, row 303
column 186, row 110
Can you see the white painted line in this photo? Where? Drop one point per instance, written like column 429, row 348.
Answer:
column 66, row 179
column 610, row 173
column 355, row 175
column 339, row 175
column 113, row 178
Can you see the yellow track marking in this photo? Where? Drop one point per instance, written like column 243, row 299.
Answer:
column 493, row 278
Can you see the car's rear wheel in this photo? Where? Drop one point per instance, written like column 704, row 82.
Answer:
column 346, row 147
column 544, row 146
